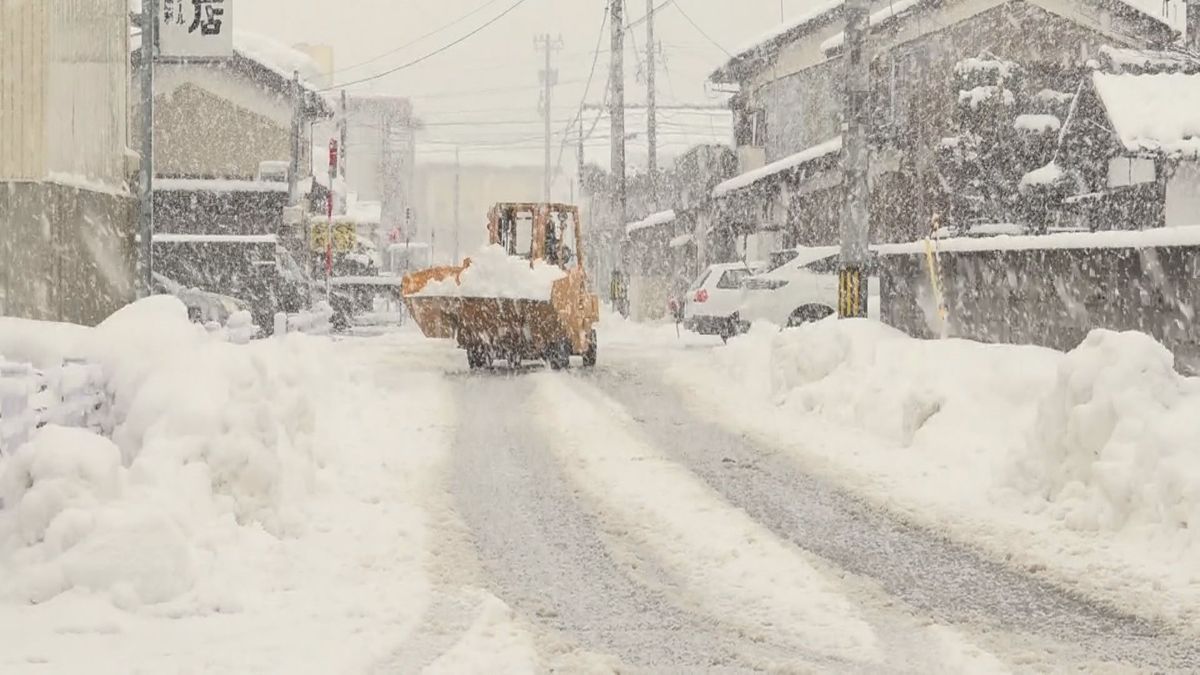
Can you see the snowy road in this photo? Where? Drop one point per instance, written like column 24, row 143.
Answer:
column 620, row 529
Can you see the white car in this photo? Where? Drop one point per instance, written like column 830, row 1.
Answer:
column 711, row 304
column 802, row 286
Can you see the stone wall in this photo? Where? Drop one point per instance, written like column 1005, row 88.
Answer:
column 66, row 254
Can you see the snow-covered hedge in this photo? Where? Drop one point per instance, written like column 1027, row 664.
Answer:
column 211, row 440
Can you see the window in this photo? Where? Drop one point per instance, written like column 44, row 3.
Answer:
column 1123, row 171
column 752, row 128
column 699, row 283
column 829, row 265
column 732, row 279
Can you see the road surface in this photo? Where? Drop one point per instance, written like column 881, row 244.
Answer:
column 626, row 533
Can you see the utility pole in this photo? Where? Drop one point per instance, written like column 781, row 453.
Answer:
column 457, row 197
column 297, row 124
column 856, row 163
column 651, row 103
column 549, row 78
column 344, row 135
column 617, row 107
column 146, row 211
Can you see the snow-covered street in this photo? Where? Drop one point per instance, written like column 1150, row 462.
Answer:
column 384, row 509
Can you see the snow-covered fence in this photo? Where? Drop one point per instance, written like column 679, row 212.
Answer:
column 72, row 395
column 1052, row 290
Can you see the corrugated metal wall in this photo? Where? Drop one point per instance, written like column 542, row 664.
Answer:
column 86, row 100
column 22, row 92
column 64, row 83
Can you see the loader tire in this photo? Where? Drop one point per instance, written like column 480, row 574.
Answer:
column 478, row 358
column 558, row 355
column 589, row 357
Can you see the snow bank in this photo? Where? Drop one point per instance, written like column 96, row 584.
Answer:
column 492, row 273
column 1083, row 463
column 984, row 93
column 1117, row 439
column 207, row 434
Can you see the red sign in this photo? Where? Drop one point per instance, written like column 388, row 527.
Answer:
column 333, row 157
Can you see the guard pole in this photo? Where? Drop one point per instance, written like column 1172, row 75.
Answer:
column 856, row 164
column 333, row 168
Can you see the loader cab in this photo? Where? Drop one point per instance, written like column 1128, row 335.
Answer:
column 549, row 232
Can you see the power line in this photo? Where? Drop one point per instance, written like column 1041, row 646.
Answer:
column 586, row 89
column 432, row 54
column 414, row 41
column 699, row 29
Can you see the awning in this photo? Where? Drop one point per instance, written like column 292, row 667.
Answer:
column 682, row 240
column 830, row 147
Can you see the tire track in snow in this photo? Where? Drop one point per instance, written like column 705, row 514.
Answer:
column 725, row 561
column 945, row 580
column 543, row 553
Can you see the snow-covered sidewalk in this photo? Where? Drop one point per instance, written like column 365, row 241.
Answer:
column 1080, row 466
column 259, row 508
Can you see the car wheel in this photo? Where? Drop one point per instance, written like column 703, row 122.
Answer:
column 809, row 314
column 478, row 358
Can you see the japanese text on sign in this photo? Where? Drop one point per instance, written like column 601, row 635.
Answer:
column 196, row 28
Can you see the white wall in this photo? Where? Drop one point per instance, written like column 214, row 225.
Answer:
column 1183, row 195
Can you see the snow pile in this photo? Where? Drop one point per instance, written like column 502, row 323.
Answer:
column 208, row 436
column 492, row 273
column 1117, row 438
column 1045, row 175
column 990, row 66
column 1036, row 123
column 1082, row 463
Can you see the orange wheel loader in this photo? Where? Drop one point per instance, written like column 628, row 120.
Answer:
column 494, row 326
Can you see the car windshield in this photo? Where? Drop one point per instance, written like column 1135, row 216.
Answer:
column 458, row 337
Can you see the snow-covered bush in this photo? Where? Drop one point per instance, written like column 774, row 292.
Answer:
column 208, row 436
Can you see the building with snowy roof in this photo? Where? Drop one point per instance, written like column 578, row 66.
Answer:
column 1131, row 152
column 932, row 80
column 66, row 212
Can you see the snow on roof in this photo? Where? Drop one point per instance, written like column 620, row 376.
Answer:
column 653, row 220
column 779, row 30
column 1153, row 113
column 170, row 238
column 681, row 241
column 749, row 178
column 276, row 56
column 207, row 185
column 1036, row 123
column 976, row 64
column 1153, row 238
column 892, row 11
column 1121, row 59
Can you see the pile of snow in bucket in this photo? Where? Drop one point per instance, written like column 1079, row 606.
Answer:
column 493, row 273
column 212, row 441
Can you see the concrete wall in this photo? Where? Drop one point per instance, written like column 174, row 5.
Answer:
column 66, row 254
column 1051, row 297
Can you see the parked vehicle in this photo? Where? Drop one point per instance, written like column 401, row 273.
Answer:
column 800, row 289
column 712, row 302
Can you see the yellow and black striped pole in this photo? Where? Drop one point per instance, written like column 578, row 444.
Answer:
column 852, row 293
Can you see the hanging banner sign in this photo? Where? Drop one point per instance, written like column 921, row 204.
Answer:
column 199, row 29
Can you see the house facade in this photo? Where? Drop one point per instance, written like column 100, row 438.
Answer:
column 66, row 212
column 978, row 71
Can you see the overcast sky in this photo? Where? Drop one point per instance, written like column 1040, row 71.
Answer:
column 484, row 92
